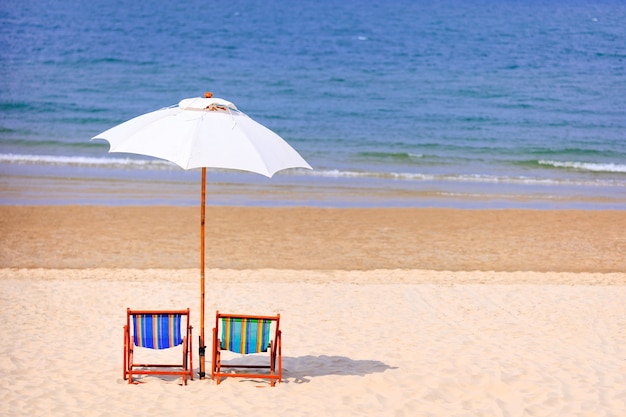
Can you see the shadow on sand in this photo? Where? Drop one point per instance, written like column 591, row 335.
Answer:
column 298, row 370
column 301, row 369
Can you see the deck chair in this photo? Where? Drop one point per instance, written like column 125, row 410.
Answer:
column 157, row 329
column 247, row 335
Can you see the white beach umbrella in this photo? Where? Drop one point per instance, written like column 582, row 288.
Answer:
column 204, row 133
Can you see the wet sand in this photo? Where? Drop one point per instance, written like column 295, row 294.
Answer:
column 313, row 238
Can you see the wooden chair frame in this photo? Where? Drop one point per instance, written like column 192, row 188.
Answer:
column 183, row 369
column 275, row 353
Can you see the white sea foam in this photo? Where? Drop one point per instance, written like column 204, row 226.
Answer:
column 586, row 166
column 410, row 176
column 157, row 164
column 83, row 161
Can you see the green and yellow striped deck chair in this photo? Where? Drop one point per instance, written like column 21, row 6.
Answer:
column 157, row 329
column 246, row 335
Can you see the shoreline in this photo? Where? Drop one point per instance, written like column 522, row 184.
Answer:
column 304, row 238
column 75, row 185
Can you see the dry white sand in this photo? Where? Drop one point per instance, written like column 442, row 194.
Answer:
column 375, row 343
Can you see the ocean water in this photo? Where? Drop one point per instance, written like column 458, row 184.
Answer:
column 399, row 103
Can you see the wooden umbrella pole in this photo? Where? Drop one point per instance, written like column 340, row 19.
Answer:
column 202, row 347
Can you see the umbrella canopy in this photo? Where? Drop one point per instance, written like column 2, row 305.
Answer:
column 204, row 133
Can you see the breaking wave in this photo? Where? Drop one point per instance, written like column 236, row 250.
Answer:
column 138, row 162
column 586, row 166
column 469, row 178
column 85, row 161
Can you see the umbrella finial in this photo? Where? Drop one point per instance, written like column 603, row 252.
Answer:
column 208, row 94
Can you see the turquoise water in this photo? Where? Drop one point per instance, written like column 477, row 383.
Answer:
column 402, row 103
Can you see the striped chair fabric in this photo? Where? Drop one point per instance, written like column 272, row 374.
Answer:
column 245, row 335
column 157, row 331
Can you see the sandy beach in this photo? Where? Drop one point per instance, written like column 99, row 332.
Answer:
column 313, row 238
column 385, row 312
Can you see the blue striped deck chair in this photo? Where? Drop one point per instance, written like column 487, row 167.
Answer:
column 157, row 329
column 247, row 335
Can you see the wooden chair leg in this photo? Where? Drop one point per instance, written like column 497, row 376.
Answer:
column 125, row 351
column 190, row 353
column 280, row 357
column 218, row 365
column 213, row 355
column 272, row 363
column 184, row 371
column 129, row 369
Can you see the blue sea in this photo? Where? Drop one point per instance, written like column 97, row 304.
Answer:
column 482, row 104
